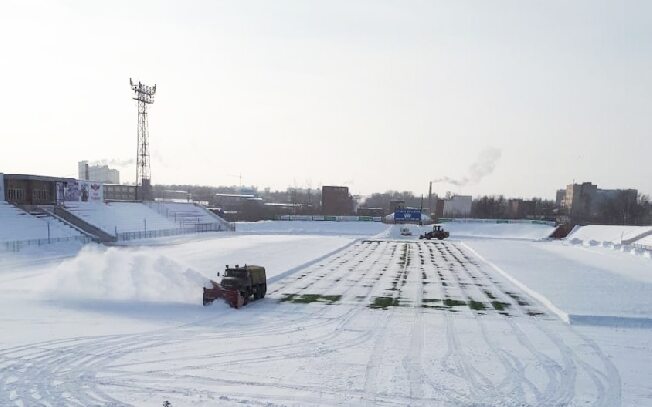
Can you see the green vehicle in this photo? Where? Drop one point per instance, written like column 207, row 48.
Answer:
column 238, row 285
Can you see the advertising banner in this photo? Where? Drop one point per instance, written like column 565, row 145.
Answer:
column 80, row 191
column 407, row 215
column 2, row 187
column 92, row 191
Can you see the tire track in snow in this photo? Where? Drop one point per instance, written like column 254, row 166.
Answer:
column 124, row 345
column 87, row 371
column 607, row 385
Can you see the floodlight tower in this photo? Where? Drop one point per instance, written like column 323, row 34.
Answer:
column 145, row 96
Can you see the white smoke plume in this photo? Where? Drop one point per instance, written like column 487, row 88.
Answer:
column 483, row 166
column 113, row 162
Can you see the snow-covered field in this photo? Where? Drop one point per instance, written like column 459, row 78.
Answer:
column 356, row 314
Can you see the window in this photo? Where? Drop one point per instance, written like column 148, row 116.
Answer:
column 15, row 194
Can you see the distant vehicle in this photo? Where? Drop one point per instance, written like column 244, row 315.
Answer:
column 437, row 232
column 405, row 231
column 238, row 285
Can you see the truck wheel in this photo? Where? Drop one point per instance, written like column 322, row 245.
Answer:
column 264, row 290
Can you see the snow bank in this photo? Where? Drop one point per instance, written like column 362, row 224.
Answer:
column 499, row 230
column 312, row 227
column 124, row 275
column 594, row 235
column 587, row 286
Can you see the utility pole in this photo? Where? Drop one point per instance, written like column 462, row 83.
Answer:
column 421, row 212
column 145, row 96
column 430, row 199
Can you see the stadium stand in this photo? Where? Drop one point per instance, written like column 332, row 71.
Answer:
column 120, row 217
column 18, row 225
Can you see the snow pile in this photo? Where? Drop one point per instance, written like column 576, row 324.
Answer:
column 593, row 235
column 16, row 224
column 312, row 228
column 124, row 275
column 499, row 230
column 121, row 216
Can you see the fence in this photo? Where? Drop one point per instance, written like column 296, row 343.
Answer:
column 18, row 245
column 326, row 218
column 521, row 221
column 642, row 247
column 196, row 228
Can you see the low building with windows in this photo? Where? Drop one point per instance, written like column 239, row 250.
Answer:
column 27, row 189
column 117, row 192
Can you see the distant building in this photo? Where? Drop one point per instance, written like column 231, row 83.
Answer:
column 336, row 200
column 520, row 209
column 584, row 201
column 457, row 206
column 559, row 197
column 439, row 208
column 97, row 173
column 240, row 207
column 395, row 204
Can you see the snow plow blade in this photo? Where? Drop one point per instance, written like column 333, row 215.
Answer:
column 231, row 297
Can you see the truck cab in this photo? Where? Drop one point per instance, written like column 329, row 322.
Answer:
column 238, row 285
column 248, row 279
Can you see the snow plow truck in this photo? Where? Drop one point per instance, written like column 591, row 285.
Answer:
column 238, row 285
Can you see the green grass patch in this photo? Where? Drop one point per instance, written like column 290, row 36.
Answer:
column 439, row 307
column 476, row 305
column 499, row 305
column 308, row 298
column 384, row 302
column 449, row 302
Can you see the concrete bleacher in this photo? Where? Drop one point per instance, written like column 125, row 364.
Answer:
column 18, row 225
column 120, row 217
column 187, row 214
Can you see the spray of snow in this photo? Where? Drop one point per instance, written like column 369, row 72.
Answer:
column 483, row 166
column 127, row 275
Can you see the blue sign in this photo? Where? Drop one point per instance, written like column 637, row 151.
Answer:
column 407, row 214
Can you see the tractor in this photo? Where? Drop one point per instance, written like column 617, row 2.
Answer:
column 437, row 232
column 238, row 285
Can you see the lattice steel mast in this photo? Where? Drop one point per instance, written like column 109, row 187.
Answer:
column 145, row 96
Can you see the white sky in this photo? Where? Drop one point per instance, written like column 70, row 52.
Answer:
column 375, row 95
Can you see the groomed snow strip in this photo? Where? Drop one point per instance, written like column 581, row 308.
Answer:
column 571, row 319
